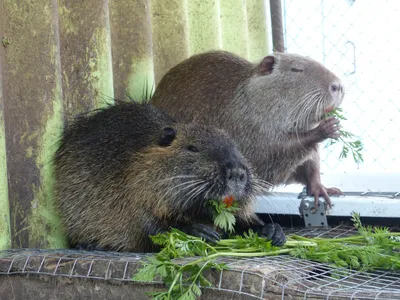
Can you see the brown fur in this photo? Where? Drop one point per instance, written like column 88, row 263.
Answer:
column 273, row 109
column 117, row 181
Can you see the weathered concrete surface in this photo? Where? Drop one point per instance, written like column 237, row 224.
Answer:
column 131, row 44
column 170, row 34
column 204, row 26
column 257, row 10
column 235, row 35
column 19, row 287
column 85, row 43
column 32, row 117
column 5, row 236
column 61, row 288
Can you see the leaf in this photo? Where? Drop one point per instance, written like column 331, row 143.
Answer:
column 146, row 273
column 223, row 214
column 355, row 146
column 226, row 221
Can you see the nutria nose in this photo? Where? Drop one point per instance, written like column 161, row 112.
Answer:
column 235, row 172
column 336, row 88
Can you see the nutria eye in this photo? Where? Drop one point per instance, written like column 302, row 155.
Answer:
column 296, row 70
column 192, row 148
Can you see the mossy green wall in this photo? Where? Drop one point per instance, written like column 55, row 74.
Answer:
column 63, row 57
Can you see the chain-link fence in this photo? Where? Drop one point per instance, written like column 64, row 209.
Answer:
column 358, row 41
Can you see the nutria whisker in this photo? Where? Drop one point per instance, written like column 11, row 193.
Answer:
column 211, row 187
column 185, row 184
column 183, row 190
column 194, row 193
column 179, row 177
column 266, row 183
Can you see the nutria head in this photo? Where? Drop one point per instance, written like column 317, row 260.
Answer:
column 190, row 165
column 294, row 91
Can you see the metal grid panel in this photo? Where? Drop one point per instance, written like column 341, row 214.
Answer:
column 281, row 276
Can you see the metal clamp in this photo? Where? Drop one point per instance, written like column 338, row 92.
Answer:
column 313, row 216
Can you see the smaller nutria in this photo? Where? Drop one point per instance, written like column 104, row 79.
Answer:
column 273, row 109
column 129, row 171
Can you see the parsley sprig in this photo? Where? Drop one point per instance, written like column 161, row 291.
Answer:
column 223, row 215
column 349, row 141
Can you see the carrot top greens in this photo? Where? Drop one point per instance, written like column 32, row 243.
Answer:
column 371, row 248
column 349, row 141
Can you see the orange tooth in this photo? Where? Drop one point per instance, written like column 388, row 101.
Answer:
column 228, row 201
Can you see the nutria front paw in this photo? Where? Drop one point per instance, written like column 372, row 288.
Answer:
column 202, row 231
column 273, row 232
column 328, row 128
column 316, row 189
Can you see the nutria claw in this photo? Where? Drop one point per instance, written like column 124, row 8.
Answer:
column 334, row 191
column 202, row 231
column 273, row 232
column 317, row 190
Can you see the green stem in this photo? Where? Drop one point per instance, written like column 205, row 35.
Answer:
column 291, row 243
column 356, row 238
column 198, row 274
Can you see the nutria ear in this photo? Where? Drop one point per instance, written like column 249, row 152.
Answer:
column 167, row 136
column 267, row 65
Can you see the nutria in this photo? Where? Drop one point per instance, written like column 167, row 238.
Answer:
column 129, row 171
column 273, row 109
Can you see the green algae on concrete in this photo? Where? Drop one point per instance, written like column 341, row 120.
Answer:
column 170, row 34
column 5, row 231
column 44, row 223
column 204, row 26
column 33, row 116
column 257, row 29
column 235, row 36
column 101, row 76
column 5, row 234
column 141, row 79
column 85, row 43
column 131, row 44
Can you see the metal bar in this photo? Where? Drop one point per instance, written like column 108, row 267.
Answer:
column 343, row 206
column 277, row 25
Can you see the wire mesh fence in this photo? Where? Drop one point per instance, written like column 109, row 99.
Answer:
column 280, row 277
column 356, row 40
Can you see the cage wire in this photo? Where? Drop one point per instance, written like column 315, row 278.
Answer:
column 355, row 39
column 279, row 277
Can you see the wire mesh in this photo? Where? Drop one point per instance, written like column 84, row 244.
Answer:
column 355, row 40
column 280, row 277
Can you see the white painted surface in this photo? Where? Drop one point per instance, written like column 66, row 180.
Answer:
column 367, row 206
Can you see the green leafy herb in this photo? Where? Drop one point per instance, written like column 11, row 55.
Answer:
column 372, row 248
column 350, row 145
column 223, row 216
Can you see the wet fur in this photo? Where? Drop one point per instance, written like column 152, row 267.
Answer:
column 115, row 184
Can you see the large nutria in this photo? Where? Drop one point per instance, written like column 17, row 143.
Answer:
column 273, row 109
column 129, row 171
